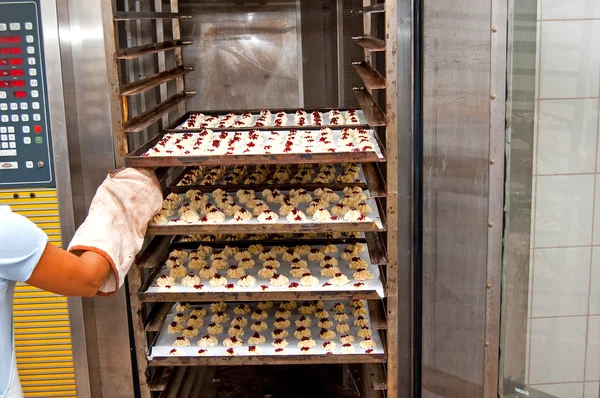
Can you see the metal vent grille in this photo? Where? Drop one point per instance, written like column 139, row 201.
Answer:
column 41, row 319
column 352, row 26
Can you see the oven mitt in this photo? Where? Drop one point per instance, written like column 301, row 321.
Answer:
column 117, row 221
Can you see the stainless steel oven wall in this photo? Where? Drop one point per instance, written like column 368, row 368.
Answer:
column 246, row 56
column 464, row 61
column 85, row 28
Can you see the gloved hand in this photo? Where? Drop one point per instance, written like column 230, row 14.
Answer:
column 117, row 221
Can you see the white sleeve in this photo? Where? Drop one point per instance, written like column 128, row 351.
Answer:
column 22, row 244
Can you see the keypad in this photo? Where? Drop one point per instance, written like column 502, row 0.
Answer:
column 25, row 156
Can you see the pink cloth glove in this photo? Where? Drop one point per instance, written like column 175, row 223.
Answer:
column 117, row 222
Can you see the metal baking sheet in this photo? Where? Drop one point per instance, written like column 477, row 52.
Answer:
column 173, row 149
column 177, row 226
column 138, row 158
column 179, row 124
column 262, row 284
column 164, row 343
column 362, row 179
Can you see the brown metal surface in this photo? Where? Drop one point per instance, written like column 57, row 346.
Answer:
column 149, row 82
column 133, row 15
column 377, row 376
column 380, row 7
column 181, row 229
column 155, row 253
column 259, row 296
column 376, row 248
column 138, row 51
column 373, row 80
column 267, row 360
column 370, row 43
column 377, row 314
column 155, row 319
column 143, row 120
column 374, row 180
column 136, row 160
column 373, row 112
column 160, row 379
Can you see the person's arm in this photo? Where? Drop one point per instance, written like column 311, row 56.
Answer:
column 61, row 272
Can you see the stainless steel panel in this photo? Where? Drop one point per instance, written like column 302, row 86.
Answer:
column 93, row 139
column 456, row 186
column 399, row 145
column 56, row 104
column 246, row 57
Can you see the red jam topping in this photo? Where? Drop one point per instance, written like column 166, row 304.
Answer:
column 326, row 284
column 278, row 349
column 173, row 351
column 370, row 350
column 359, row 284
column 293, row 285
column 229, row 286
column 201, row 351
column 304, row 349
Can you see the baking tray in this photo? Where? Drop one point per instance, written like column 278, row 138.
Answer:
column 176, row 126
column 174, row 227
column 139, row 157
column 372, row 289
column 368, row 178
column 162, row 354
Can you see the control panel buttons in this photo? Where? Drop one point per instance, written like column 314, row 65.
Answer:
column 14, row 118
column 32, row 72
column 24, row 106
column 8, row 152
column 39, row 140
column 11, row 137
column 2, row 94
column 31, row 61
column 12, row 145
column 28, row 26
column 29, row 39
column 3, row 27
column 26, row 140
column 35, row 105
column 15, row 26
column 24, row 118
column 4, row 118
column 29, row 164
column 33, row 83
column 37, row 129
column 14, row 106
column 35, row 93
column 3, row 130
column 11, row 129
column 37, row 117
column 26, row 129
column 30, row 50
column 9, row 165
column 4, row 145
column 3, row 107
column 3, row 137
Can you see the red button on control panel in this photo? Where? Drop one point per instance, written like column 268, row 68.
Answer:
column 37, row 129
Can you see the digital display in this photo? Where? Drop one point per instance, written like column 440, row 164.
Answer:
column 10, row 50
column 13, row 83
column 12, row 72
column 11, row 61
column 10, row 39
column 20, row 94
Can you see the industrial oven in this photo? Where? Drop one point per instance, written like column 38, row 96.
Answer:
column 146, row 83
column 283, row 98
column 135, row 74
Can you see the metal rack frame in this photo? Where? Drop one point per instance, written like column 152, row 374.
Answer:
column 149, row 104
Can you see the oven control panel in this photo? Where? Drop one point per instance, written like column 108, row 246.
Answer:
column 25, row 146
